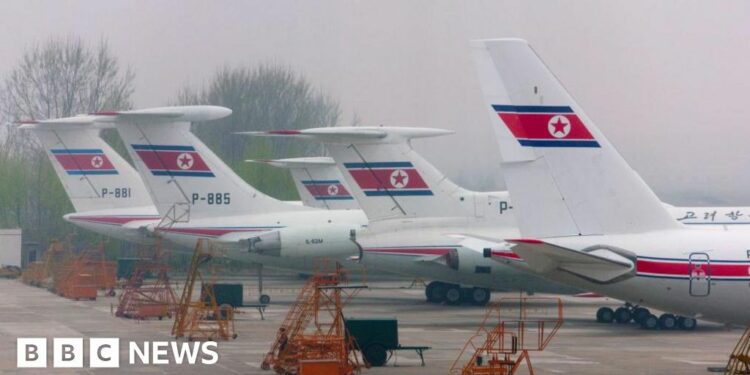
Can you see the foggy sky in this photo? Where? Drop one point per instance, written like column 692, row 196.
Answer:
column 666, row 81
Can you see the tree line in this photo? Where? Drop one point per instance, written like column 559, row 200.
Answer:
column 63, row 77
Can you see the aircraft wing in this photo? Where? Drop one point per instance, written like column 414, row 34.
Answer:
column 598, row 264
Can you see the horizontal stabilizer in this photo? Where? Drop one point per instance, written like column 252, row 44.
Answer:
column 190, row 113
column 356, row 135
column 291, row 163
column 596, row 264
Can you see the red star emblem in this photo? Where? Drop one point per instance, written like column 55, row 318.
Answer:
column 399, row 178
column 559, row 126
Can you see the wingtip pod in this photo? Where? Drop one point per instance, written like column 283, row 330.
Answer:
column 358, row 134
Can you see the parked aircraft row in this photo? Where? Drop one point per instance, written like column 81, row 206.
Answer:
column 580, row 218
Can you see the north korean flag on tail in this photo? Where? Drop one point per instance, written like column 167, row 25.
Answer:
column 84, row 161
column 170, row 160
column 545, row 126
column 388, row 179
column 323, row 190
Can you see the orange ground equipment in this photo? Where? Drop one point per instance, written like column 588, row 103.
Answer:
column 82, row 276
column 40, row 273
column 202, row 318
column 312, row 339
column 739, row 360
column 511, row 329
column 148, row 292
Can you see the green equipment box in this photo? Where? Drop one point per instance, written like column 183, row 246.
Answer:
column 229, row 294
column 377, row 339
column 367, row 331
column 126, row 266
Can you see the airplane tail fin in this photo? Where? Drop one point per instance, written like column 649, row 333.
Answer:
column 386, row 176
column 185, row 178
column 94, row 176
column 319, row 182
column 564, row 176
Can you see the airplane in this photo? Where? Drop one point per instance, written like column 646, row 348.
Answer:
column 587, row 219
column 418, row 218
column 108, row 195
column 199, row 196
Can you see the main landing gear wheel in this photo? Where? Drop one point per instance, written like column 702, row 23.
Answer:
column 667, row 321
column 686, row 324
column 605, row 315
column 640, row 313
column 435, row 292
column 650, row 322
column 264, row 299
column 479, row 296
column 623, row 315
column 453, row 295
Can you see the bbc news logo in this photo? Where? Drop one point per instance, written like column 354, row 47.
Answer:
column 105, row 353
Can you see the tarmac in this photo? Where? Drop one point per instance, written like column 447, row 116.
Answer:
column 581, row 346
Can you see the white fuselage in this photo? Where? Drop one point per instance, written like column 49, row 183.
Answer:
column 433, row 249
column 698, row 272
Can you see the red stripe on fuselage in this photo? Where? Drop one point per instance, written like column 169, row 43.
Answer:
column 210, row 232
column 676, row 268
column 120, row 220
column 411, row 251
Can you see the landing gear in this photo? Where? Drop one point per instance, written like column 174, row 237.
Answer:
column 623, row 315
column 650, row 322
column 452, row 294
column 667, row 321
column 686, row 324
column 605, row 315
column 640, row 313
column 263, row 298
column 479, row 296
column 435, row 292
column 644, row 318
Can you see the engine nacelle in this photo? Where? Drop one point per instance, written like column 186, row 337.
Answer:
column 330, row 241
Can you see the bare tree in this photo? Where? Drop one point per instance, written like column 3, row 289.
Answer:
column 58, row 78
column 265, row 97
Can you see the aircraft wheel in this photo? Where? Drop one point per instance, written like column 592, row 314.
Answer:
column 650, row 322
column 686, row 324
column 623, row 315
column 640, row 313
column 605, row 315
column 479, row 296
column 667, row 321
column 453, row 295
column 264, row 299
column 435, row 292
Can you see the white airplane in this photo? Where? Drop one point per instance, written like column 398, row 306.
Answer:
column 109, row 196
column 198, row 196
column 418, row 218
column 586, row 218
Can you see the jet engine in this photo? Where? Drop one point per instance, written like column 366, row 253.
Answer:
column 331, row 241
